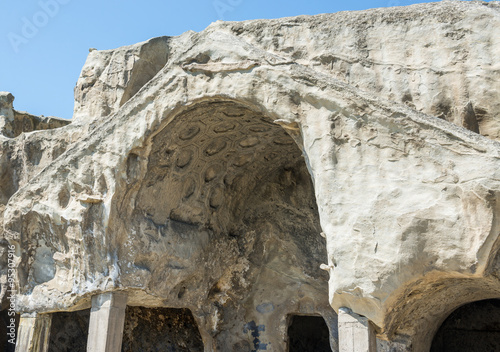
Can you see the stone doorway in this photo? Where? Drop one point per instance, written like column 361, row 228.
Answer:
column 308, row 334
column 474, row 327
column 69, row 331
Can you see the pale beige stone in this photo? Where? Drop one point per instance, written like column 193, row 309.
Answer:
column 219, row 171
column 107, row 317
column 33, row 333
column 6, row 114
column 356, row 334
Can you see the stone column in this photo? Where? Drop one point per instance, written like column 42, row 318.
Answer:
column 356, row 333
column 33, row 333
column 106, row 322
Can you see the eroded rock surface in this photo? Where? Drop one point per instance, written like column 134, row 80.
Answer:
column 160, row 329
column 111, row 77
column 218, row 171
column 13, row 123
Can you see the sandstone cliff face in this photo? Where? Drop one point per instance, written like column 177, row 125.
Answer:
column 111, row 77
column 200, row 170
column 436, row 58
column 13, row 122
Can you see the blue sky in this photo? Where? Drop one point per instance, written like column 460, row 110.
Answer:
column 45, row 42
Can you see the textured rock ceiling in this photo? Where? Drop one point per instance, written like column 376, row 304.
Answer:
column 208, row 162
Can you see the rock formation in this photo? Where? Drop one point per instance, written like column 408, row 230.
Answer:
column 223, row 184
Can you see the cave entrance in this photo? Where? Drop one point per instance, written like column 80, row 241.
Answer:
column 308, row 334
column 160, row 329
column 474, row 327
column 224, row 216
column 69, row 331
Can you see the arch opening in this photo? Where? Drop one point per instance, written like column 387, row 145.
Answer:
column 308, row 333
column 223, row 217
column 418, row 311
column 473, row 327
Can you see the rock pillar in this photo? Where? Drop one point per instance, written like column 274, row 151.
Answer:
column 356, row 333
column 6, row 114
column 34, row 332
column 106, row 322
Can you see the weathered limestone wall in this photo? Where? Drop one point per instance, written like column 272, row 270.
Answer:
column 28, row 143
column 22, row 153
column 436, row 58
column 201, row 172
column 6, row 114
column 111, row 77
column 13, row 123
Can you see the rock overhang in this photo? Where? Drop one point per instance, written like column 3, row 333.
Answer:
column 400, row 193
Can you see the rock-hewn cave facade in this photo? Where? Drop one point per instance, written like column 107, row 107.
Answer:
column 313, row 183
